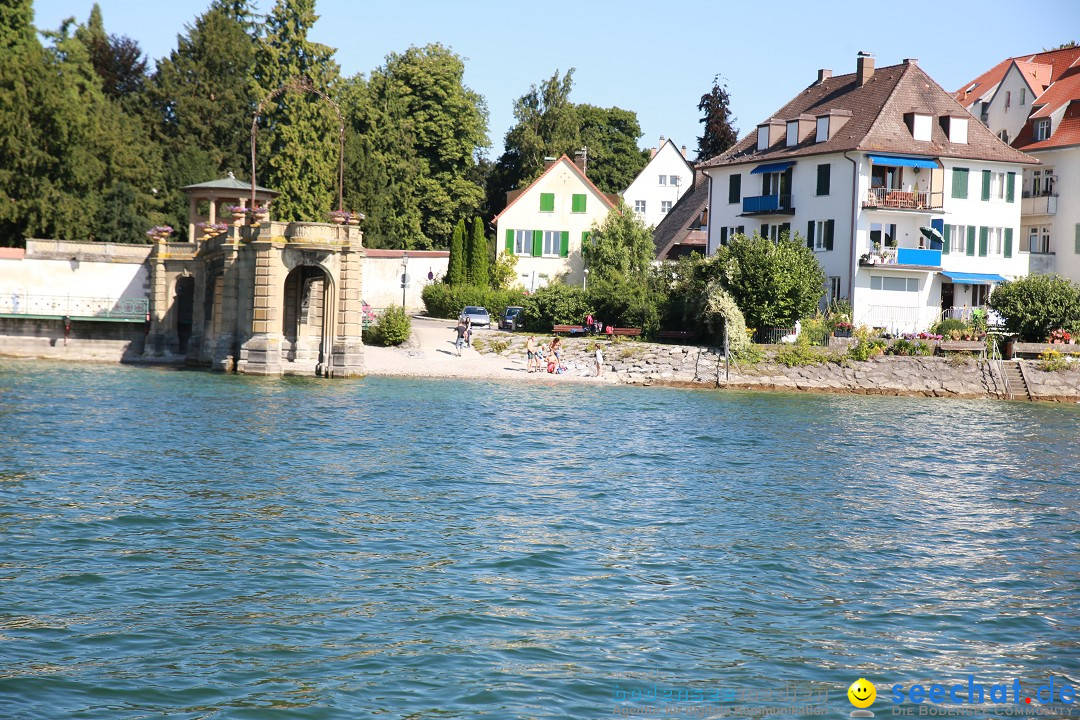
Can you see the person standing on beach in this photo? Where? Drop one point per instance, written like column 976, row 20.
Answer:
column 460, row 341
column 599, row 361
column 530, row 353
column 468, row 330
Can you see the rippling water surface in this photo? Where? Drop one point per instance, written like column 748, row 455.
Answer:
column 189, row 545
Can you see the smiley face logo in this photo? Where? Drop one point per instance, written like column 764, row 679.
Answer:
column 862, row 693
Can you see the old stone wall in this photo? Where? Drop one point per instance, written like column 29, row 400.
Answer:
column 636, row 362
column 99, row 341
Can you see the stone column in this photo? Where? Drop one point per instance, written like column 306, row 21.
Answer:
column 261, row 351
column 348, row 348
column 159, row 303
column 225, row 346
column 193, row 208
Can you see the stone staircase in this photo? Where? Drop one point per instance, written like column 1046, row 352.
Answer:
column 1018, row 387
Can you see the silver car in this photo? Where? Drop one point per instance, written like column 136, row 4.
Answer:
column 478, row 315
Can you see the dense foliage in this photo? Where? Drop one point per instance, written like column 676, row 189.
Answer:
column 719, row 134
column 393, row 328
column 775, row 284
column 620, row 249
column 446, row 301
column 1035, row 305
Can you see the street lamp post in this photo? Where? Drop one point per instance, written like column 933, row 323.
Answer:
column 585, row 279
column 404, row 276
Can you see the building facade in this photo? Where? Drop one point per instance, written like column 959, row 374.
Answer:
column 912, row 210
column 1033, row 102
column 657, row 188
column 545, row 224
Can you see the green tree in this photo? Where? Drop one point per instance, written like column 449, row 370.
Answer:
column 1034, row 305
column 621, row 249
column 478, row 255
column 419, row 131
column 610, row 136
column 120, row 221
column 457, row 268
column 300, row 137
column 774, row 284
column 118, row 60
column 201, row 100
column 719, row 135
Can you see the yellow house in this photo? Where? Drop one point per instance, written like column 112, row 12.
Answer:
column 545, row 224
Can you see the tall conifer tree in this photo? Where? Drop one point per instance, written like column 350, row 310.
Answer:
column 457, row 269
column 478, row 255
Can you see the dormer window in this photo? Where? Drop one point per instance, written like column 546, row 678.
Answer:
column 822, row 129
column 763, row 137
column 792, row 133
column 1042, row 128
column 919, row 125
column 956, row 128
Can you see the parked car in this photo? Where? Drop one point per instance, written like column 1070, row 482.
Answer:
column 511, row 318
column 478, row 315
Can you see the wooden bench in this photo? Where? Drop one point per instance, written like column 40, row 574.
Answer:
column 568, row 329
column 681, row 335
column 631, row 332
column 962, row 346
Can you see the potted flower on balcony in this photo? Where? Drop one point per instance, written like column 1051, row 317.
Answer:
column 355, row 218
column 210, row 230
column 159, row 233
column 339, row 217
column 842, row 329
column 257, row 213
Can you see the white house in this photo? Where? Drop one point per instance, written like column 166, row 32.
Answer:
column 546, row 223
column 870, row 169
column 666, row 178
column 1033, row 101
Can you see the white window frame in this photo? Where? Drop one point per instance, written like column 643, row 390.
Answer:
column 983, row 291
column 665, row 207
column 674, row 181
column 997, row 186
column 819, row 235
column 834, row 288
column 1042, row 129
column 879, row 282
column 995, row 241
column 552, row 240
column 663, row 179
column 1039, row 239
column 639, row 207
column 958, row 239
column 523, row 242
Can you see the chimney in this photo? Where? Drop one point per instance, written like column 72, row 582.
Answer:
column 581, row 159
column 661, row 145
column 548, row 162
column 652, row 153
column 823, row 75
column 911, row 61
column 864, row 68
column 683, row 148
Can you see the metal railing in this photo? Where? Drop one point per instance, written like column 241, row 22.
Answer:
column 767, row 204
column 996, row 365
column 890, row 198
column 74, row 306
column 776, row 335
column 893, row 318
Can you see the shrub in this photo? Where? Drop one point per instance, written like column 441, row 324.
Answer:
column 499, row 346
column 867, row 348
column 1053, row 361
column 393, row 328
column 904, row 347
column 1034, row 305
column 620, row 303
column 446, row 301
column 798, row 355
column 555, row 304
column 948, row 326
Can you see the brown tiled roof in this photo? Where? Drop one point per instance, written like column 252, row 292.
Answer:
column 680, row 224
column 1067, row 132
column 877, row 121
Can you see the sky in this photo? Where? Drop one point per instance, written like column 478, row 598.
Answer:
column 649, row 57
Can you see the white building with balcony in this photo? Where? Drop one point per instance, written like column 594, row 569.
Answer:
column 657, row 188
column 1033, row 101
column 912, row 209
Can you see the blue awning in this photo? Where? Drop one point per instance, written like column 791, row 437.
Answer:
column 772, row 167
column 895, row 160
column 960, row 278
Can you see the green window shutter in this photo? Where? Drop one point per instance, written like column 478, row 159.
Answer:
column 986, row 185
column 724, row 237
column 585, row 239
column 1010, row 187
column 734, row 191
column 538, row 243
column 564, row 244
column 1008, row 242
column 984, row 240
column 960, row 183
column 1078, row 238
column 578, row 204
column 824, row 176
column 765, row 230
column 830, row 228
column 741, row 230
column 810, row 234
column 510, row 241
column 547, row 202
column 970, row 249
column 945, row 238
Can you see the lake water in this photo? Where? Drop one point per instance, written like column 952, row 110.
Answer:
column 190, row 545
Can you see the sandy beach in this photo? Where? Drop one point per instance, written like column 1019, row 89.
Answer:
column 430, row 353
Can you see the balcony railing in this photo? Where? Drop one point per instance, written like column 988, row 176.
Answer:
column 890, row 199
column 75, row 307
column 1038, row 205
column 902, row 256
column 765, row 204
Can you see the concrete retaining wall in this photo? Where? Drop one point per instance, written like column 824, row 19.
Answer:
column 100, row 341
